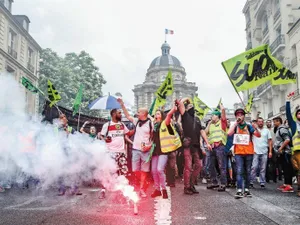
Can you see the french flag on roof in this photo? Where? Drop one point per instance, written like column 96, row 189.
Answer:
column 167, row 31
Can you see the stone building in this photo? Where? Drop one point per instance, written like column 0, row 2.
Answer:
column 19, row 52
column 144, row 93
column 274, row 22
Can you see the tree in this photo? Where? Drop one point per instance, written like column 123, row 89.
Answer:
column 67, row 74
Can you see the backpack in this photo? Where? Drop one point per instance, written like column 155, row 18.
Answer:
column 150, row 125
column 290, row 135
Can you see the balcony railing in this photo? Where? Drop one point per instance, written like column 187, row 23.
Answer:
column 249, row 45
column 279, row 41
column 260, row 89
column 30, row 67
column 294, row 62
column 265, row 30
column 277, row 15
column 12, row 52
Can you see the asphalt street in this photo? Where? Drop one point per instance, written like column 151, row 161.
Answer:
column 31, row 207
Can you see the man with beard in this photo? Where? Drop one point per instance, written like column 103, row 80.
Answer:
column 243, row 150
column 113, row 133
column 192, row 129
column 142, row 144
column 271, row 164
column 262, row 150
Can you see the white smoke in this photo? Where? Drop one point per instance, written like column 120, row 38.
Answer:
column 29, row 148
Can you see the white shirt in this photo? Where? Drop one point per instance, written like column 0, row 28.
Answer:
column 142, row 134
column 261, row 144
column 117, row 132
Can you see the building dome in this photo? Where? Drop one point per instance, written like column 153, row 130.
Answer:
column 165, row 60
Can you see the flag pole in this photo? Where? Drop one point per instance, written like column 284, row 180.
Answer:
column 78, row 119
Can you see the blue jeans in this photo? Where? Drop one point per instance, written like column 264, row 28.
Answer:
column 207, row 163
column 259, row 161
column 158, row 171
column 243, row 168
column 218, row 155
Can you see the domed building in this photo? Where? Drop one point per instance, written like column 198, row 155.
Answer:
column 144, row 94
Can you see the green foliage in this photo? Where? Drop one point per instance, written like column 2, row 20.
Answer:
column 67, row 74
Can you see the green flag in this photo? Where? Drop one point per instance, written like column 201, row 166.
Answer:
column 53, row 95
column 29, row 86
column 166, row 89
column 249, row 103
column 201, row 109
column 77, row 101
column 255, row 67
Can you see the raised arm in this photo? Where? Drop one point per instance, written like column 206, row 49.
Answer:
column 289, row 116
column 125, row 111
column 181, row 106
column 83, row 126
column 170, row 115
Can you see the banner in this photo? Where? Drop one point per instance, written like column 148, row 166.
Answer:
column 77, row 101
column 249, row 103
column 253, row 68
column 166, row 89
column 29, row 86
column 53, row 95
column 201, row 109
column 284, row 76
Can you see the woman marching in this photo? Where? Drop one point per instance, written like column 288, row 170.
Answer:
column 165, row 140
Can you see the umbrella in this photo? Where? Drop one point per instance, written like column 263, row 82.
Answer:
column 107, row 102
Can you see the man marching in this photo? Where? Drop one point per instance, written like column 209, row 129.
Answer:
column 217, row 137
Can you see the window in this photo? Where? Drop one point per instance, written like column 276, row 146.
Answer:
column 6, row 3
column 25, row 25
column 30, row 56
column 278, row 31
column 12, row 43
column 265, row 22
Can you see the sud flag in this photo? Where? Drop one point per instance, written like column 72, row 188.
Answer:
column 53, row 95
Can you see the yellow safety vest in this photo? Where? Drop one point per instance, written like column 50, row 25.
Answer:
column 296, row 142
column 168, row 142
column 217, row 134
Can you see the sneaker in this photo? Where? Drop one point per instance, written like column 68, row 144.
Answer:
column 295, row 180
column 102, row 194
column 188, row 191
column 156, row 193
column 212, row 186
column 221, row 189
column 262, row 186
column 7, row 186
column 288, row 189
column 281, row 187
column 194, row 190
column 247, row 193
column 204, row 181
column 143, row 194
column 251, row 186
column 239, row 194
column 164, row 194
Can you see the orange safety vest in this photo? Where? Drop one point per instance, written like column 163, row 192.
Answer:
column 244, row 149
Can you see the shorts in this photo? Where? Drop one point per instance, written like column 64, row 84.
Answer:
column 121, row 161
column 139, row 159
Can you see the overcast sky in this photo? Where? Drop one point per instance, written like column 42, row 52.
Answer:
column 125, row 36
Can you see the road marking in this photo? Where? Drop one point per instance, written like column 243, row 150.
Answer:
column 199, row 218
column 162, row 209
column 271, row 211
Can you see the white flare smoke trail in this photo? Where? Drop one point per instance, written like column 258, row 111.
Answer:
column 29, row 148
